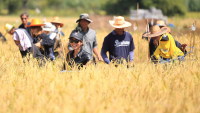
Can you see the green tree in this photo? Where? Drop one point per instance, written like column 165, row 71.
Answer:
column 194, row 5
column 13, row 5
column 169, row 7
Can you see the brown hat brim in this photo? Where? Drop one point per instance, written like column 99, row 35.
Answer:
column 56, row 22
column 164, row 30
column 126, row 24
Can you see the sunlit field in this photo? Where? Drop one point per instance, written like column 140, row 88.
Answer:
column 100, row 88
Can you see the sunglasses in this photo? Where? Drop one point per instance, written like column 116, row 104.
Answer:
column 75, row 41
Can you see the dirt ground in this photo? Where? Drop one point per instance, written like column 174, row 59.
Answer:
column 104, row 25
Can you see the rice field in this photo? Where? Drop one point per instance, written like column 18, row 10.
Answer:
column 101, row 88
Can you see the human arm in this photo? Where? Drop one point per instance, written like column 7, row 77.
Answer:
column 104, row 50
column 181, row 46
column 131, row 53
column 104, row 56
column 95, row 50
column 45, row 41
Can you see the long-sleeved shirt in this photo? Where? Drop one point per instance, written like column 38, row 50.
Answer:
column 47, row 42
column 118, row 46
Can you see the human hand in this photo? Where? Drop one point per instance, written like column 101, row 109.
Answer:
column 131, row 63
column 38, row 44
column 99, row 58
column 183, row 46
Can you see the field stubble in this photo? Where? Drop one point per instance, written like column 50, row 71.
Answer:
column 101, row 88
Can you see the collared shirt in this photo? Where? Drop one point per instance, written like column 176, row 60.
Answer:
column 118, row 46
column 89, row 41
column 82, row 58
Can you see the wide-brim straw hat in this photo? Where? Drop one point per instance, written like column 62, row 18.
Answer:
column 84, row 16
column 119, row 22
column 160, row 23
column 35, row 22
column 56, row 20
column 155, row 31
column 168, row 29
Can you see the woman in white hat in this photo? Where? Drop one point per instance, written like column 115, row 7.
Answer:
column 49, row 29
column 118, row 43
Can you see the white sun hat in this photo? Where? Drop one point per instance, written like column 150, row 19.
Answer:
column 49, row 27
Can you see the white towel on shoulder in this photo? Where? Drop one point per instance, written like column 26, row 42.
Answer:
column 21, row 36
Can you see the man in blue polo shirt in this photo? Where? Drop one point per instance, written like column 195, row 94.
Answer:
column 118, row 43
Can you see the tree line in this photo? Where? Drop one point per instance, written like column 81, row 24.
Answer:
column 111, row 7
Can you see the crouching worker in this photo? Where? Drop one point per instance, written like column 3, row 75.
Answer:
column 24, row 41
column 77, row 56
column 41, row 39
column 167, row 50
column 49, row 29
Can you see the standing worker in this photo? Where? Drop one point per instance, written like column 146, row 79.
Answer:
column 25, row 23
column 118, row 43
column 89, row 36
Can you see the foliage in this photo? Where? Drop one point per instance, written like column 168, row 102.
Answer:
column 194, row 5
column 169, row 7
column 114, row 7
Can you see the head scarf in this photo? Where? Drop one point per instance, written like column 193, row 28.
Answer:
column 23, row 37
column 167, row 47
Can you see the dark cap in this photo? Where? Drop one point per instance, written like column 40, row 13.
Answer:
column 76, row 35
column 84, row 16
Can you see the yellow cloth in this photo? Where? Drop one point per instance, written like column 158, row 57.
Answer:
column 167, row 49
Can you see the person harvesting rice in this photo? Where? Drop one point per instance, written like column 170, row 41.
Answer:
column 23, row 41
column 78, row 56
column 118, row 43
